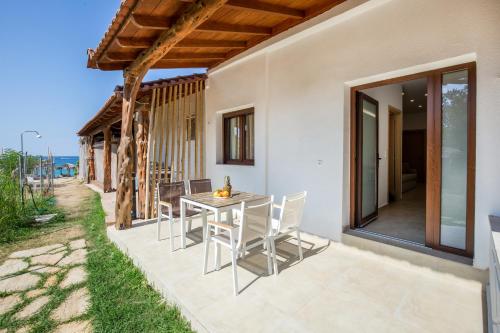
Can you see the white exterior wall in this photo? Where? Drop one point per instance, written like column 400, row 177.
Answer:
column 99, row 164
column 300, row 89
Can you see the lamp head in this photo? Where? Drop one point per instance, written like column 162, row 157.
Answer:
column 39, row 136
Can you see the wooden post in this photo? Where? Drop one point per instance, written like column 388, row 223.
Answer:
column 107, row 159
column 90, row 160
column 172, row 133
column 183, row 132
column 190, row 100
column 124, row 190
column 148, row 159
column 142, row 158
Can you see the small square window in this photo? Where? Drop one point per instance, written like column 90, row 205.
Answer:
column 239, row 137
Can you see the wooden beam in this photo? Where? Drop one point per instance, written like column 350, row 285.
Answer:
column 112, row 66
column 234, row 28
column 193, row 56
column 183, row 64
column 134, row 42
column 130, row 56
column 267, row 8
column 162, row 23
column 193, row 16
column 151, row 22
column 107, row 185
column 211, row 43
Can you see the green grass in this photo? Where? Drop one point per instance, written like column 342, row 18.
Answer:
column 122, row 300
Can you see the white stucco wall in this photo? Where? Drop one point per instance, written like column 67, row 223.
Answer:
column 300, row 90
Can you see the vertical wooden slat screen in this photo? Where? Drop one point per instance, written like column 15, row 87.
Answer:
column 174, row 109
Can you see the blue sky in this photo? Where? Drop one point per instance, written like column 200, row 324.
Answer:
column 44, row 82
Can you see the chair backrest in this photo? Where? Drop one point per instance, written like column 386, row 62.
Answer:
column 292, row 209
column 171, row 193
column 200, row 186
column 255, row 221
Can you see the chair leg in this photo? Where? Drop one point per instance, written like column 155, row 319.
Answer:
column 207, row 247
column 171, row 225
column 189, row 225
column 301, row 256
column 273, row 250
column 268, row 251
column 234, row 262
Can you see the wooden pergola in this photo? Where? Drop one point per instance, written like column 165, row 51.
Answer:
column 147, row 34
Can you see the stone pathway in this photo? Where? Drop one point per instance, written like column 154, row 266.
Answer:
column 28, row 279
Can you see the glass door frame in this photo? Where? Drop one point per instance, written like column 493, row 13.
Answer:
column 434, row 142
column 362, row 221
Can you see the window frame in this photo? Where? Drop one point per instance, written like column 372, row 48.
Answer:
column 226, row 117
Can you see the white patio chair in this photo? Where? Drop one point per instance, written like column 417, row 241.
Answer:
column 168, row 196
column 254, row 227
column 290, row 217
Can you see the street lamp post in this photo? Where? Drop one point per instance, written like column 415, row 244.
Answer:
column 22, row 166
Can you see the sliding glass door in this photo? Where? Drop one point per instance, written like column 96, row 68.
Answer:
column 452, row 159
column 367, row 115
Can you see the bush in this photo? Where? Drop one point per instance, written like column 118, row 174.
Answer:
column 16, row 220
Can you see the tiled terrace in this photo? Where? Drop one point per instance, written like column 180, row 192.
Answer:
column 336, row 288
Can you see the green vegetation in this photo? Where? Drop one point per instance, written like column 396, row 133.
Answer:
column 16, row 220
column 122, row 301
column 120, row 298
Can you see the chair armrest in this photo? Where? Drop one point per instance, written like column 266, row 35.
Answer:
column 221, row 225
column 164, row 203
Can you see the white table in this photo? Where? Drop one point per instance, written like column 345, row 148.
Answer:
column 206, row 202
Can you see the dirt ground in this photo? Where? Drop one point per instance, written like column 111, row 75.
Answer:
column 70, row 196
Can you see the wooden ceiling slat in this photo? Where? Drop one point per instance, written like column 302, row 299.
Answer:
column 266, row 7
column 232, row 28
column 211, row 43
column 151, row 22
column 134, row 42
column 130, row 56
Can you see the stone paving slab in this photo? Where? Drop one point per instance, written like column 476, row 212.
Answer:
column 9, row 302
column 32, row 308
column 77, row 257
column 35, row 292
column 11, row 266
column 75, row 305
column 49, row 270
column 75, row 275
column 77, row 244
column 36, row 267
column 35, row 251
column 19, row 282
column 83, row 326
column 47, row 259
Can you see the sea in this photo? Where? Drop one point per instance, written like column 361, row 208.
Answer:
column 61, row 161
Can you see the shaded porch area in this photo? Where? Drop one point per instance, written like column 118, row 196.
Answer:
column 335, row 288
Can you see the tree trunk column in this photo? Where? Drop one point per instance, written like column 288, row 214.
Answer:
column 142, row 152
column 124, row 189
column 90, row 160
column 107, row 186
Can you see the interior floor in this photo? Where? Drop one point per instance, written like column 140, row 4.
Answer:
column 404, row 219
